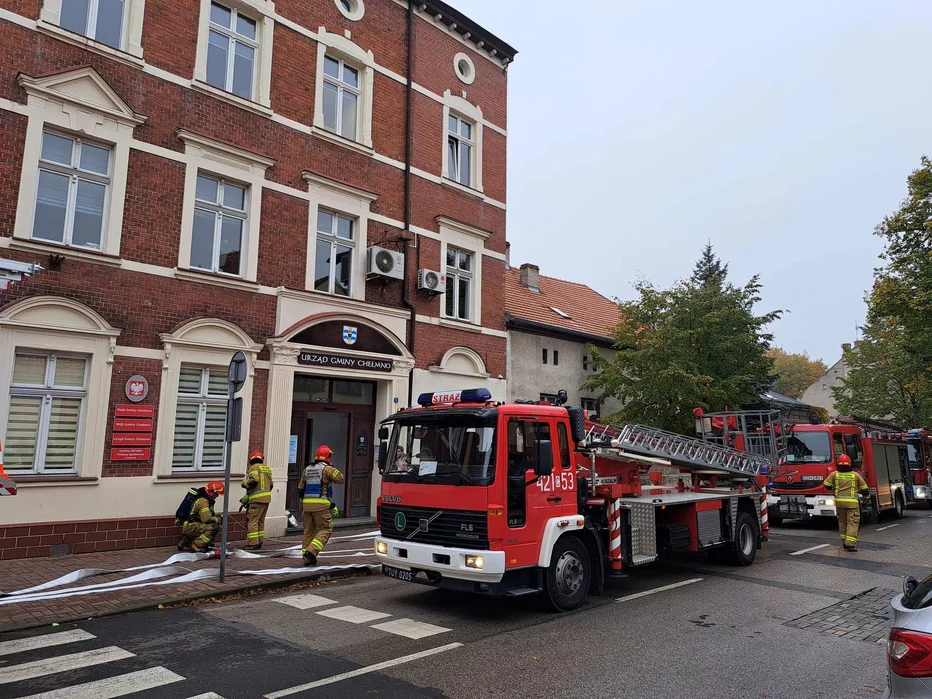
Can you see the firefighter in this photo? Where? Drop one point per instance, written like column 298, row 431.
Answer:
column 203, row 523
column 847, row 485
column 314, row 491
column 258, row 485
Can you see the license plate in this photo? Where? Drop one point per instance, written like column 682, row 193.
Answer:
column 397, row 573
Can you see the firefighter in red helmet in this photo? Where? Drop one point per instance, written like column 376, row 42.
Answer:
column 202, row 524
column 314, row 490
column 847, row 485
column 258, row 485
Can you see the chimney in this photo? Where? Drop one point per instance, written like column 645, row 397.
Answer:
column 507, row 255
column 846, row 347
column 530, row 276
column 857, row 343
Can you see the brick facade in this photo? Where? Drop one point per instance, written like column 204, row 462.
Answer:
column 138, row 291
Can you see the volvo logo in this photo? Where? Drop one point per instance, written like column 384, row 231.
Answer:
column 423, row 524
column 400, row 521
column 391, row 498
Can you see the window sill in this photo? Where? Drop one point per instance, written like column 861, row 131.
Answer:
column 230, row 98
column 470, row 191
column 197, row 476
column 326, row 135
column 466, row 325
column 45, row 480
column 201, row 277
column 47, row 247
column 89, row 44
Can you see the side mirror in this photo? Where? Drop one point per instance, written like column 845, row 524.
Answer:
column 383, row 433
column 543, row 464
column 383, row 452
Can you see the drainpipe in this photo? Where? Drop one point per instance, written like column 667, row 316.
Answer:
column 408, row 302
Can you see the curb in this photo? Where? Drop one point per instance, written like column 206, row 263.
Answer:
column 154, row 604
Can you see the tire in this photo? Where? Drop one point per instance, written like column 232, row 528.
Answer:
column 743, row 549
column 899, row 507
column 568, row 575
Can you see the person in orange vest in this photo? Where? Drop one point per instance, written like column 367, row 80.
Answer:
column 203, row 523
column 258, row 485
column 847, row 485
column 314, row 491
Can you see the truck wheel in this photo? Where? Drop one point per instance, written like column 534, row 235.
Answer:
column 744, row 548
column 898, row 506
column 568, row 575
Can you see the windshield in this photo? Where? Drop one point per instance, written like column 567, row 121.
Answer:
column 460, row 451
column 915, row 456
column 808, row 448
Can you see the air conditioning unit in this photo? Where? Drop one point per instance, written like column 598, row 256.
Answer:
column 383, row 262
column 429, row 280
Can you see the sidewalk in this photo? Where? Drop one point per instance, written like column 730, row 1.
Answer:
column 20, row 574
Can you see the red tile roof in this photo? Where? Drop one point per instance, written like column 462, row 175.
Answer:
column 589, row 312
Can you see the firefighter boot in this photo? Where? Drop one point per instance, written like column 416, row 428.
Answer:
column 310, row 558
column 184, row 543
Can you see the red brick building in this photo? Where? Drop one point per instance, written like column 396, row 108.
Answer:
column 290, row 179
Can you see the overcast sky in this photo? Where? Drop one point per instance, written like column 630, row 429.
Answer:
column 783, row 132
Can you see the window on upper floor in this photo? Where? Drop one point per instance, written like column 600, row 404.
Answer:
column 47, row 396
column 460, row 150
column 232, row 51
column 101, row 20
column 590, row 404
column 556, row 357
column 336, row 242
column 543, row 355
column 72, row 191
column 200, row 419
column 220, row 223
column 341, row 98
column 458, row 296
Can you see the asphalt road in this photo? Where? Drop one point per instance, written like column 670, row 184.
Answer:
column 785, row 627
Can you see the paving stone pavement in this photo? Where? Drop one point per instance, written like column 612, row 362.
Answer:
column 865, row 617
column 23, row 573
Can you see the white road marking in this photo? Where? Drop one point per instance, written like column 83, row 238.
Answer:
column 63, row 663
column 354, row 615
column 46, row 641
column 209, row 695
column 119, row 686
column 811, row 548
column 410, row 628
column 889, row 526
column 305, row 601
column 362, row 671
column 658, row 589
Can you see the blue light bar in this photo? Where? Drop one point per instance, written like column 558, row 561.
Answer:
column 472, row 395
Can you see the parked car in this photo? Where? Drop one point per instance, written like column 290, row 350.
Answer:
column 909, row 648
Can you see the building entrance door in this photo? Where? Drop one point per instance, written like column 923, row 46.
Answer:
column 340, row 414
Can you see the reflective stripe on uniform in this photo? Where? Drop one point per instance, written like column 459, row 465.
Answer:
column 315, row 501
column 315, row 542
column 255, row 496
column 253, row 535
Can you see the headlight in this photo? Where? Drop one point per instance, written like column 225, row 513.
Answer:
column 828, row 502
column 474, row 562
column 381, row 547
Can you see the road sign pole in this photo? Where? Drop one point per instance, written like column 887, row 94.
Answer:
column 236, row 377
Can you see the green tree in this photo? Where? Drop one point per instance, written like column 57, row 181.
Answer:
column 693, row 345
column 795, row 372
column 890, row 371
column 709, row 267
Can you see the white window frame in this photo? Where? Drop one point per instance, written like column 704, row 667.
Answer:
column 454, row 276
column 47, row 392
column 344, row 87
column 74, row 173
column 223, row 162
column 204, row 342
column 202, row 399
column 340, row 48
column 468, row 239
column 59, row 103
column 263, row 12
column 233, row 38
column 333, row 240
column 356, row 11
column 335, row 197
column 45, row 324
column 220, row 210
column 455, row 167
column 464, row 111
column 134, row 12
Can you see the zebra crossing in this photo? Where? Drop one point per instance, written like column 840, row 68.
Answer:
column 409, row 628
column 60, row 660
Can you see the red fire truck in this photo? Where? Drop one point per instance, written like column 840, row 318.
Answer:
column 526, row 498
column 805, row 454
column 919, row 449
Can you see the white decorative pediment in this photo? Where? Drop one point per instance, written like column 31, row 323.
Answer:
column 83, row 88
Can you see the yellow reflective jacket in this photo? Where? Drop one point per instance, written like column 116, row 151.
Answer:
column 258, row 483
column 314, row 486
column 846, row 485
column 203, row 511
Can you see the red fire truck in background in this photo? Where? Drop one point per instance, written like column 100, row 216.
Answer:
column 919, row 450
column 527, row 498
column 805, row 455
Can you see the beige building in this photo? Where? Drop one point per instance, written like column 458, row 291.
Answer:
column 819, row 394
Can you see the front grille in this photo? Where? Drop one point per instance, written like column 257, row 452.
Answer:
column 461, row 528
